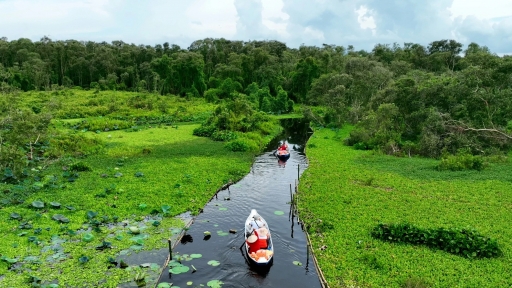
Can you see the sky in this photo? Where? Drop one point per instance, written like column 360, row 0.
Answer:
column 361, row 23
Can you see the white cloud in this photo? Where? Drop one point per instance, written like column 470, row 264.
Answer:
column 273, row 16
column 362, row 23
column 212, row 17
column 34, row 19
column 481, row 9
column 365, row 21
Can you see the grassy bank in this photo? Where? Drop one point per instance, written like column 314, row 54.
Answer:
column 139, row 177
column 345, row 193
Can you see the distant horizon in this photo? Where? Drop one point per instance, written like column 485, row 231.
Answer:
column 361, row 23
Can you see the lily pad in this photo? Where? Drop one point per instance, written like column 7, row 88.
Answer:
column 215, row 284
column 173, row 263
column 55, row 204
column 213, row 263
column 195, row 256
column 38, row 204
column 83, row 259
column 179, row 269
column 88, row 237
column 91, row 214
column 60, row 218
column 164, row 285
column 207, row 233
column 134, row 230
column 189, row 283
column 119, row 237
column 279, row 212
column 298, row 263
column 139, row 174
column 223, row 209
column 70, row 208
column 136, row 247
column 166, row 209
column 222, row 233
column 15, row 216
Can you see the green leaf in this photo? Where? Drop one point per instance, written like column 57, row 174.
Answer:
column 60, row 218
column 83, row 259
column 38, row 204
column 279, row 212
column 134, row 230
column 179, row 269
column 91, row 214
column 88, row 237
column 223, row 209
column 213, row 263
column 55, row 204
column 166, row 209
column 15, row 216
column 195, row 256
column 215, row 284
column 164, row 285
column 298, row 263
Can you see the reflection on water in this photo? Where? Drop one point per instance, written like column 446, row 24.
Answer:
column 267, row 188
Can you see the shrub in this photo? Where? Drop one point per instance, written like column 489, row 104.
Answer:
column 241, row 145
column 204, row 131
column 462, row 242
column 73, row 145
column 223, row 135
column 461, row 162
column 80, row 167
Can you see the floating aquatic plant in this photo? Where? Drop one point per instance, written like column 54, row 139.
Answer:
column 215, row 284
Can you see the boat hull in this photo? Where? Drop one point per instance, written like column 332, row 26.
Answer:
column 283, row 157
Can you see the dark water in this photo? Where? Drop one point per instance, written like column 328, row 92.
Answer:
column 267, row 189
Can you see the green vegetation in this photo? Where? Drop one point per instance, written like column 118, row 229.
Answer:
column 142, row 178
column 101, row 128
column 464, row 242
column 365, row 188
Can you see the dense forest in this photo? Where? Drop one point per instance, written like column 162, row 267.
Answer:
column 404, row 99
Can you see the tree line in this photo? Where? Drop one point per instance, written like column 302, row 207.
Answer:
column 410, row 98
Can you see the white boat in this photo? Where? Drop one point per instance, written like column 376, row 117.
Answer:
column 261, row 261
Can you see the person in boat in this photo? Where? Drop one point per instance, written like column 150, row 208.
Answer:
column 253, row 243
column 263, row 237
column 283, row 146
column 260, row 230
column 256, row 222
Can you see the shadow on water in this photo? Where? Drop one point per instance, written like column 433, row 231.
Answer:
column 267, row 188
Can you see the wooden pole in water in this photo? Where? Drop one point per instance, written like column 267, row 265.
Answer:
column 307, row 251
column 170, row 248
column 298, row 171
column 291, row 194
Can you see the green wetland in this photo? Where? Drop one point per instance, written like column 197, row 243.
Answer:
column 345, row 193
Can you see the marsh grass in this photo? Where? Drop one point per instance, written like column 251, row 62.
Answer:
column 363, row 188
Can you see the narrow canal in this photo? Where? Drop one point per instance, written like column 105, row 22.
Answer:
column 267, row 189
